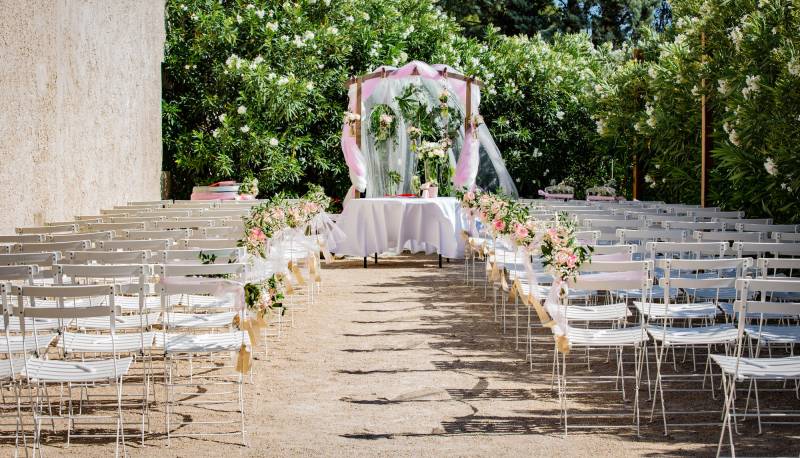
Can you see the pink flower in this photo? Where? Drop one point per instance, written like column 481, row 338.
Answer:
column 572, row 260
column 499, row 224
column 520, row 231
column 257, row 234
column 469, row 196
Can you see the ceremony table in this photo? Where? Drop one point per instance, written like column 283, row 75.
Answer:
column 394, row 224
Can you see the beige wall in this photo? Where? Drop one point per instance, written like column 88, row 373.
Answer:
column 80, row 107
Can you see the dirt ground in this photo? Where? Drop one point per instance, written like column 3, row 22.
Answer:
column 403, row 359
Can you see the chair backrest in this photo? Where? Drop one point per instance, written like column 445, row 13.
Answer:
column 234, row 271
column 116, row 227
column 136, row 245
column 101, row 298
column 103, row 271
column 152, row 202
column 175, row 213
column 107, row 257
column 700, row 281
column 704, row 212
column 209, row 243
column 173, row 234
column 615, row 275
column 693, row 249
column 47, row 229
column 133, row 219
column 732, row 222
column 613, row 224
column 222, row 255
column 759, row 249
column 765, row 264
column 225, row 232
column 18, row 273
column 116, row 211
column 727, row 236
column 43, row 259
column 650, row 235
column 76, row 245
column 193, row 204
column 745, row 307
column 750, row 227
column 90, row 236
column 22, row 238
column 690, row 226
column 183, row 224
column 588, row 237
column 786, row 236
column 627, row 250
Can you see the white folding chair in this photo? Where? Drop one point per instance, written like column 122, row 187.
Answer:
column 737, row 368
column 85, row 374
column 190, row 345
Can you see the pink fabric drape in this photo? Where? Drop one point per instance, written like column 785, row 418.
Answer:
column 467, row 166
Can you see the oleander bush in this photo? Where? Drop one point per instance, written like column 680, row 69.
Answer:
column 257, row 89
column 747, row 53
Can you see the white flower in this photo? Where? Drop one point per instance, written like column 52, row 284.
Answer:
column 601, row 126
column 215, row 133
column 186, row 67
column 651, row 121
column 752, row 85
column 349, row 19
column 560, row 114
column 250, row 6
column 695, row 91
column 273, row 26
column 298, row 41
column 784, row 185
column 648, row 179
column 723, row 87
column 333, row 30
column 365, row 16
column 273, row 141
column 310, row 85
column 232, row 60
column 652, row 72
column 242, row 109
column 245, row 128
column 309, row 35
column 403, row 56
column 794, row 67
column 184, row 7
column 771, row 167
column 657, row 166
column 283, row 80
column 736, row 36
column 258, row 60
column 734, row 138
column 260, row 14
column 222, row 117
column 536, row 153
column 238, row 19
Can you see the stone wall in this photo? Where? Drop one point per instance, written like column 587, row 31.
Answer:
column 80, row 107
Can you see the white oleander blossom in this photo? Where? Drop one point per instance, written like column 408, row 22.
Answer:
column 736, row 36
column 222, row 117
column 734, row 137
column 260, row 14
column 652, row 72
column 560, row 114
column 794, row 67
column 536, row 153
column 241, row 110
column 215, row 133
column 258, row 59
column 724, row 87
column 273, row 26
column 771, row 167
column 273, row 141
column 245, row 128
column 752, row 85
column 601, row 126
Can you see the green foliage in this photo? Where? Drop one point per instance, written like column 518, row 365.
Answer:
column 747, row 54
column 258, row 88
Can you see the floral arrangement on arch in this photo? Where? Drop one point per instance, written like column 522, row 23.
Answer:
column 383, row 122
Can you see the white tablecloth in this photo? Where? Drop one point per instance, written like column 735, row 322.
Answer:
column 383, row 225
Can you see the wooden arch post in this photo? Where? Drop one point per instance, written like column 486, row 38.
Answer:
column 705, row 134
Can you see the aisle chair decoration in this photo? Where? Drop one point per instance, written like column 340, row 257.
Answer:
column 563, row 256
